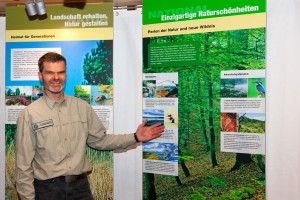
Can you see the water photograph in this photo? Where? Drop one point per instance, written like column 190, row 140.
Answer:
column 153, row 116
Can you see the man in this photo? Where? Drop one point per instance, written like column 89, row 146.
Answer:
column 51, row 139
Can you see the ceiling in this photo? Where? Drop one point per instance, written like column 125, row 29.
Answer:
column 117, row 3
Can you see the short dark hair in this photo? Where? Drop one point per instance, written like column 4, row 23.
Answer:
column 52, row 57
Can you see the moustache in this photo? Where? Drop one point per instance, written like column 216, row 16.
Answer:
column 56, row 81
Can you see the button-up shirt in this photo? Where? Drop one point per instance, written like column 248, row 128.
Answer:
column 51, row 141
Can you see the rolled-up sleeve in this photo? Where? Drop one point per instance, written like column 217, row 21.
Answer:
column 25, row 151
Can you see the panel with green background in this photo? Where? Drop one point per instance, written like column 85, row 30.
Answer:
column 153, row 11
column 204, row 171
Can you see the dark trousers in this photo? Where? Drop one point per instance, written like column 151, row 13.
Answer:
column 59, row 189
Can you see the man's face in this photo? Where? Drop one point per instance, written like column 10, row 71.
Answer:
column 53, row 76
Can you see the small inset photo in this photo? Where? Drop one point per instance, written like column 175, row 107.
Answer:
column 166, row 89
column 234, row 88
column 18, row 95
column 160, row 151
column 252, row 122
column 229, row 122
column 256, row 88
column 149, row 87
column 102, row 95
column 153, row 116
column 171, row 119
column 83, row 92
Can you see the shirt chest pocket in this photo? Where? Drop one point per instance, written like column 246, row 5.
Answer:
column 74, row 118
column 46, row 132
column 78, row 123
column 41, row 125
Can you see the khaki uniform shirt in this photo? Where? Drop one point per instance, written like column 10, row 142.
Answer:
column 51, row 141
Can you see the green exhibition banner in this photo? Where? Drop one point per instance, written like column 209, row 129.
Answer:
column 217, row 49
column 173, row 11
column 84, row 36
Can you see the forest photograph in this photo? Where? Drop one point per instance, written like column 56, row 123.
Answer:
column 204, row 171
column 234, row 88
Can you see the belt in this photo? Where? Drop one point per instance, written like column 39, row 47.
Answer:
column 70, row 178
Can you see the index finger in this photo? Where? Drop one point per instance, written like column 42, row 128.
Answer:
column 156, row 125
column 144, row 123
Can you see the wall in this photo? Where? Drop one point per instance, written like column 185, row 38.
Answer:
column 2, row 107
column 128, row 100
column 283, row 100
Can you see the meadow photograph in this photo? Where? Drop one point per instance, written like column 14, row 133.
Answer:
column 18, row 95
column 252, row 122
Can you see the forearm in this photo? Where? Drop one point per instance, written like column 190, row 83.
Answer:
column 111, row 141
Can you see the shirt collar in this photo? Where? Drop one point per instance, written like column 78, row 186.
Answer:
column 51, row 103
